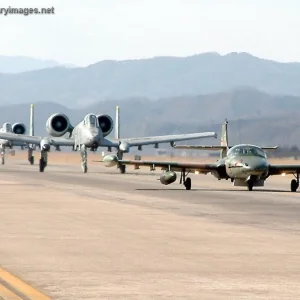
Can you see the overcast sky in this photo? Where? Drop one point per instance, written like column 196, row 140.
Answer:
column 86, row 31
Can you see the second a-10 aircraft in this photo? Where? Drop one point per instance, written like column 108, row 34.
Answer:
column 244, row 164
column 90, row 133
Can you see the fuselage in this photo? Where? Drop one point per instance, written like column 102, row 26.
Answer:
column 243, row 161
column 88, row 132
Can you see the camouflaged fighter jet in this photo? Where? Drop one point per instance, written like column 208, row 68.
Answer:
column 244, row 165
column 90, row 133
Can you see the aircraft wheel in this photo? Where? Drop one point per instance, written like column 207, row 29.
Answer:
column 84, row 168
column 42, row 165
column 122, row 169
column 31, row 160
column 250, row 185
column 188, row 183
column 294, row 185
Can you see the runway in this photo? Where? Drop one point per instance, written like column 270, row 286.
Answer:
column 103, row 235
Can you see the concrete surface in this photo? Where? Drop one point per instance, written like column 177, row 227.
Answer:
column 103, row 235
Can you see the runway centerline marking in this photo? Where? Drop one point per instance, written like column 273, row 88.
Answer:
column 20, row 286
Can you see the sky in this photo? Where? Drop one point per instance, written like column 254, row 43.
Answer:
column 83, row 32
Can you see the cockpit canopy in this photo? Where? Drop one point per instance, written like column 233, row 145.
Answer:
column 247, row 150
column 91, row 120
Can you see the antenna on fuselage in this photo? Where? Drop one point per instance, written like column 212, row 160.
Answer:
column 117, row 129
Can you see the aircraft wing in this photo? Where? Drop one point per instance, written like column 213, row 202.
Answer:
column 200, row 147
column 36, row 140
column 164, row 139
column 284, row 169
column 171, row 165
column 211, row 147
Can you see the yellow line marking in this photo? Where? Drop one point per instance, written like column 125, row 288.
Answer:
column 6, row 294
column 21, row 286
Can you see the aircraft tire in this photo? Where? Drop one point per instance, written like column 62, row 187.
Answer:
column 84, row 168
column 250, row 185
column 42, row 165
column 31, row 160
column 122, row 169
column 294, row 185
column 188, row 184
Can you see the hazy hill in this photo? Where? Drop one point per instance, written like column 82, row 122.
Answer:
column 18, row 64
column 152, row 78
column 254, row 116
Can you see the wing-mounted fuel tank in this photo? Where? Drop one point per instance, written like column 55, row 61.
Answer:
column 106, row 124
column 18, row 128
column 167, row 177
column 58, row 124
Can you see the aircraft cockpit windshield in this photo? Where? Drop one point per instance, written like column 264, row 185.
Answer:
column 91, row 120
column 247, row 150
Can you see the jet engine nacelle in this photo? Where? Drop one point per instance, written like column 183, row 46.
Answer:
column 106, row 124
column 58, row 124
column 18, row 128
column 168, row 177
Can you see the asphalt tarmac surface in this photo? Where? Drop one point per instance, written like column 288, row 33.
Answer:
column 105, row 235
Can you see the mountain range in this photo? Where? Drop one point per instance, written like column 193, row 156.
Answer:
column 154, row 78
column 18, row 64
column 254, row 116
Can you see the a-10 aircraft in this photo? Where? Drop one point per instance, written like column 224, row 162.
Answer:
column 91, row 133
column 244, row 164
column 16, row 128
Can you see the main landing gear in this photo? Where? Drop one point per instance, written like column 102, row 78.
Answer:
column 30, row 156
column 295, row 183
column 2, row 149
column 43, row 160
column 121, row 167
column 83, row 152
column 187, row 182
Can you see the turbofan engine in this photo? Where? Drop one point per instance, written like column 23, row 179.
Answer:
column 106, row 124
column 18, row 128
column 58, row 124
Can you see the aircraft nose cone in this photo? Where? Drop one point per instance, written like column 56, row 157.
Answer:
column 257, row 167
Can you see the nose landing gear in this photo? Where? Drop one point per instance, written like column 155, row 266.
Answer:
column 250, row 185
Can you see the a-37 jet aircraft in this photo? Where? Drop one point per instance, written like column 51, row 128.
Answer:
column 244, row 164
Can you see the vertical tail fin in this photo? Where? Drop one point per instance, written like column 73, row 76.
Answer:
column 31, row 125
column 224, row 139
column 117, row 128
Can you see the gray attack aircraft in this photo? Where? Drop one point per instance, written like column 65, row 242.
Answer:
column 244, row 164
column 16, row 128
column 91, row 133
